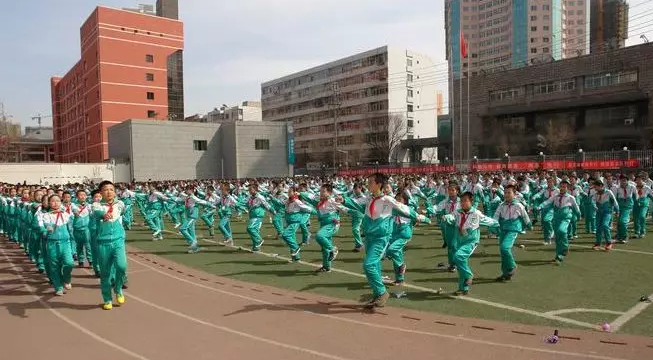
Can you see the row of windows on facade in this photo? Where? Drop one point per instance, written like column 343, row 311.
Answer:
column 350, row 110
column 590, row 82
column 355, row 125
column 372, row 76
column 342, row 141
column 259, row 144
column 318, row 102
column 378, row 60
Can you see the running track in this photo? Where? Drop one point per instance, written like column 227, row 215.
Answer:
column 173, row 312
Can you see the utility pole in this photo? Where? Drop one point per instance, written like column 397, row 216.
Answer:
column 335, row 104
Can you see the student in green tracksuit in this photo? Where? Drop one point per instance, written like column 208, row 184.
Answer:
column 574, row 190
column 377, row 224
column 56, row 228
column 226, row 205
column 81, row 232
column 626, row 195
column 605, row 204
column 513, row 219
column 208, row 212
column 644, row 193
column 357, row 219
column 256, row 205
column 305, row 227
column 589, row 212
column 296, row 212
column 448, row 206
column 402, row 232
column 111, row 244
column 93, row 232
column 187, row 229
column 468, row 221
column 278, row 201
column 564, row 207
column 546, row 212
column 40, row 249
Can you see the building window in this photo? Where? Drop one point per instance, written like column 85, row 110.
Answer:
column 409, row 62
column 610, row 79
column 199, row 145
column 546, row 39
column 410, row 108
column 545, row 50
column 533, row 40
column 149, row 77
column 508, row 94
column 545, row 28
column 546, row 7
column 546, row 17
column 409, row 77
column 262, row 144
column 533, row 50
column 534, row 7
column 410, row 123
column 149, row 58
column 151, row 114
column 533, row 18
column 410, row 93
column 150, row 95
column 551, row 87
column 533, row 28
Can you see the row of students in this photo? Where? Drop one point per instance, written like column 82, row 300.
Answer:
column 54, row 229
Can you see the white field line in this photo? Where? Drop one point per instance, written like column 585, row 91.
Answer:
column 583, row 310
column 630, row 314
column 373, row 325
column 589, row 247
column 424, row 289
column 68, row 320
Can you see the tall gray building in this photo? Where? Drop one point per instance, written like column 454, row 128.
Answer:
column 608, row 25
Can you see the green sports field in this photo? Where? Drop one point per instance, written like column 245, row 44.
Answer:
column 590, row 288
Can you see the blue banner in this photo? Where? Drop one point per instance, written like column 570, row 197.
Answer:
column 291, row 143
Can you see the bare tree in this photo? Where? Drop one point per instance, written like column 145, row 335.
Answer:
column 385, row 139
column 430, row 155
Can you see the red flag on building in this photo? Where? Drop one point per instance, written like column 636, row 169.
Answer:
column 463, row 45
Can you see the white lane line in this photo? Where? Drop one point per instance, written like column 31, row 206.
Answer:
column 425, row 289
column 68, row 320
column 379, row 326
column 138, row 271
column 589, row 247
column 630, row 314
column 223, row 328
column 583, row 310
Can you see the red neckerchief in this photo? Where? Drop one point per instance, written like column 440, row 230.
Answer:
column 187, row 201
column 625, row 193
column 463, row 220
column 56, row 220
column 640, row 191
column 68, row 209
column 452, row 207
column 81, row 208
column 322, row 203
column 372, row 208
column 560, row 201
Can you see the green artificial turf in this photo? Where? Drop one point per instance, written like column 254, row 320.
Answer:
column 588, row 279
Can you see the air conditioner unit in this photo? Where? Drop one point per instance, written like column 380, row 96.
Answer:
column 629, row 121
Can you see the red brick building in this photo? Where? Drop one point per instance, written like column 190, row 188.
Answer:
column 131, row 66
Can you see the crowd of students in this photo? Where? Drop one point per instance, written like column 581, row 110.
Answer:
column 58, row 226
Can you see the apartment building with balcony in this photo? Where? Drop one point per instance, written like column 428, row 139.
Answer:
column 358, row 99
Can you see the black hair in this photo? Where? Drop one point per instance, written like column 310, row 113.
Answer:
column 564, row 182
column 105, row 183
column 79, row 191
column 380, row 179
column 509, row 187
column 328, row 187
column 467, row 195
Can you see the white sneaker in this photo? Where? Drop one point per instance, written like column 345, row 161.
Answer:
column 67, row 286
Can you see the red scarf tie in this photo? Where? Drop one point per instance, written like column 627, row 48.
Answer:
column 463, row 220
column 372, row 208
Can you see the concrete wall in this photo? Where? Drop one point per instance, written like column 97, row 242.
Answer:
column 164, row 150
column 261, row 163
column 62, row 173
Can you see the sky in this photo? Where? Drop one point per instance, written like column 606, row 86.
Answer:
column 231, row 46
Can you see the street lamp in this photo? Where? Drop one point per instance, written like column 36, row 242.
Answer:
column 580, row 159
column 346, row 156
column 506, row 159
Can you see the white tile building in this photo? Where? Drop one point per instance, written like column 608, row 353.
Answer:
column 247, row 111
column 367, row 89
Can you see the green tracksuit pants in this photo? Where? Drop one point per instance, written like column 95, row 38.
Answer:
column 449, row 236
column 356, row 222
column 506, row 242
column 83, row 240
column 603, row 225
column 290, row 239
column 187, row 230
column 112, row 257
column 225, row 227
column 561, row 227
column 254, row 231
column 60, row 261
column 461, row 259
column 372, row 264
column 324, row 238
column 395, row 252
column 209, row 219
column 277, row 222
column 622, row 223
column 639, row 217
